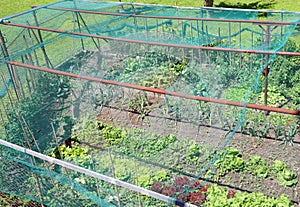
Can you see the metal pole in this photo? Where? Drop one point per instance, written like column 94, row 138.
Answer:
column 79, row 28
column 9, row 67
column 41, row 41
column 78, row 24
column 268, row 34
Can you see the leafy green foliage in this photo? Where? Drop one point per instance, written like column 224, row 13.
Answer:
column 217, row 196
column 45, row 103
column 278, row 166
column 141, row 144
column 151, row 69
column 8, row 200
column 289, row 134
column 113, row 135
column 95, row 132
column 232, row 160
column 75, row 153
column 285, row 74
column 275, row 98
column 257, row 166
column 285, row 176
column 140, row 104
column 88, row 131
column 146, row 180
column 67, row 152
column 194, row 152
column 235, row 93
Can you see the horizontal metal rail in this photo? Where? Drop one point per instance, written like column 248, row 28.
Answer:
column 151, row 43
column 160, row 91
column 176, row 17
column 93, row 174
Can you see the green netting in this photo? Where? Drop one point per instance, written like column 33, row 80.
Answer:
column 139, row 88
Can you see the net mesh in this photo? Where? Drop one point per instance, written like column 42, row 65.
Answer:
column 141, row 90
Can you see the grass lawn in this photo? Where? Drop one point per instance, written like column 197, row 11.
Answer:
column 13, row 6
column 8, row 7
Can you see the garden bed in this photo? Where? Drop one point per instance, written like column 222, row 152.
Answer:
column 133, row 109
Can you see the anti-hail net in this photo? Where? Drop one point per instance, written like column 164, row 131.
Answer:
column 136, row 87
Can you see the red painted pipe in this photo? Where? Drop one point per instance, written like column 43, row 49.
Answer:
column 152, row 43
column 160, row 91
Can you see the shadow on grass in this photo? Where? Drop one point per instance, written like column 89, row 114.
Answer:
column 260, row 4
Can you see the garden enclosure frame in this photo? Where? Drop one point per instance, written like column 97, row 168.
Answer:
column 163, row 65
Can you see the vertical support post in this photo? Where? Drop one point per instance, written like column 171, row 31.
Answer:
column 198, row 35
column 281, row 27
column 29, row 60
column 26, row 76
column 34, row 51
column 79, row 28
column 9, row 67
column 7, row 91
column 240, row 44
column 229, row 39
column 266, row 72
column 202, row 24
column 208, row 52
column 32, row 73
column 251, row 63
column 87, row 28
column 191, row 32
column 240, row 36
column 41, row 40
column 146, row 27
column 78, row 24
column 252, row 40
column 156, row 29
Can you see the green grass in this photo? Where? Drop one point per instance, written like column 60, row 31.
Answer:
column 10, row 7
